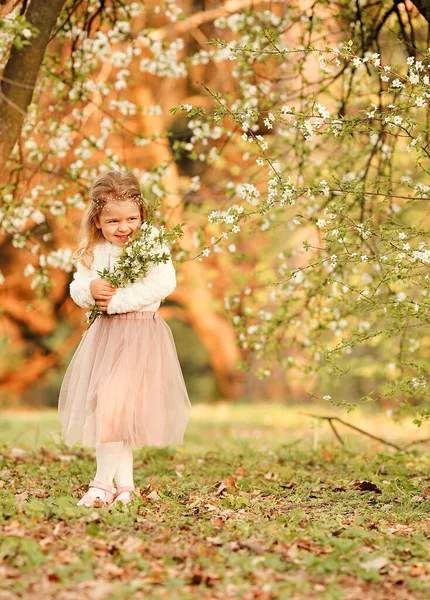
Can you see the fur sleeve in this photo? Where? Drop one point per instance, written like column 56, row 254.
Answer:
column 80, row 287
column 159, row 282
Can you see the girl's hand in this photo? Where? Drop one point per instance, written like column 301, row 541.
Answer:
column 102, row 291
column 103, row 304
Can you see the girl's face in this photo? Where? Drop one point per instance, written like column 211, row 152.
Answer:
column 117, row 220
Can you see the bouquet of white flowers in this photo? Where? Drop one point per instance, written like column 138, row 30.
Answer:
column 143, row 249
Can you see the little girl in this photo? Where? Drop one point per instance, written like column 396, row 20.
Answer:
column 124, row 386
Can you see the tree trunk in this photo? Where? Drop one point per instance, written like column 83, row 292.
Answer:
column 424, row 8
column 20, row 74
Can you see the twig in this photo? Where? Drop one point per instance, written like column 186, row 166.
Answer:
column 425, row 440
column 336, row 432
column 374, row 437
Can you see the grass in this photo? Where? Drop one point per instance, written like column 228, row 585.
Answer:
column 261, row 503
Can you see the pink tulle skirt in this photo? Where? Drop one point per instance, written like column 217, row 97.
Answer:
column 124, row 383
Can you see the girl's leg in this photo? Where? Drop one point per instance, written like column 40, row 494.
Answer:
column 124, row 473
column 108, row 458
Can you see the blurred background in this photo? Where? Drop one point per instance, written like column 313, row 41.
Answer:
column 103, row 96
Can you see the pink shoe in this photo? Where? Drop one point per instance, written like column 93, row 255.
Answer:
column 126, row 492
column 106, row 499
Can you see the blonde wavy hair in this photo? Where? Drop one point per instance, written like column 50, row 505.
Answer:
column 111, row 185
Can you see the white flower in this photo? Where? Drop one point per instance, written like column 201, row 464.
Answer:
column 29, row 270
column 322, row 111
column 206, row 251
column 61, row 259
column 1, row 278
column 327, row 397
column 396, row 83
column 231, row 248
column 195, row 183
column 213, row 217
column 38, row 217
column 249, row 192
column 57, row 208
column 414, row 77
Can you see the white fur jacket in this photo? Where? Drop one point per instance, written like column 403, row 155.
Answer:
column 144, row 294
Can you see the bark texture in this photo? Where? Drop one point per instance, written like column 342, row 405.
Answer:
column 424, row 8
column 20, row 74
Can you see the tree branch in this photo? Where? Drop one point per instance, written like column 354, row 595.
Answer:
column 374, row 437
column 423, row 6
column 20, row 74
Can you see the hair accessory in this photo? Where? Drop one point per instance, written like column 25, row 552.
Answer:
column 100, row 201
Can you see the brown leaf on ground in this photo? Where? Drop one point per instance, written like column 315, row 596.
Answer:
column 111, row 570
column 226, row 484
column 289, row 486
column 418, row 570
column 328, row 457
column 366, row 486
column 154, row 495
column 218, row 523
column 241, row 472
column 251, row 544
column 376, row 563
column 214, row 541
column 131, row 545
column 198, row 577
column 310, row 546
column 66, row 557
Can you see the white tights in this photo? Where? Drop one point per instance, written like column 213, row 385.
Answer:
column 114, row 461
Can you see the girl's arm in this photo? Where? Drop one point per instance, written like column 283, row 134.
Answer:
column 80, row 287
column 159, row 282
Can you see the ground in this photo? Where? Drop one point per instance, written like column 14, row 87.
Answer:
column 261, row 503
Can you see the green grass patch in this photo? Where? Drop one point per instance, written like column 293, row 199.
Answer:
column 260, row 503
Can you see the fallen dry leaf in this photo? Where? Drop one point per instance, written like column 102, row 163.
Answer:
column 154, row 495
column 225, row 484
column 289, row 486
column 377, row 563
column 366, row 486
column 217, row 523
column 132, row 544
column 241, row 472
column 418, row 570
